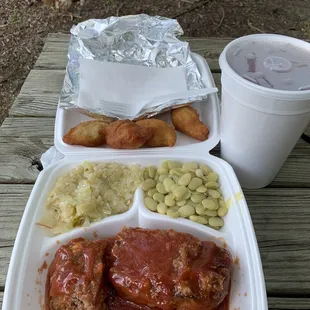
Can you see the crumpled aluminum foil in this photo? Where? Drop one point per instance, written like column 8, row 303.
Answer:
column 135, row 39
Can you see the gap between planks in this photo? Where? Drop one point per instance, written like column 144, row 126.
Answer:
column 24, row 140
column 275, row 303
column 280, row 218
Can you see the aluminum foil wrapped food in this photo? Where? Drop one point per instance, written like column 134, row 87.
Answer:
column 137, row 40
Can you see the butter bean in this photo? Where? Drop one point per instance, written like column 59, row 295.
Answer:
column 164, row 164
column 222, row 203
column 151, row 192
column 162, row 208
column 201, row 189
column 169, row 201
column 148, row 184
column 168, row 183
column 209, row 204
column 162, row 170
column 188, row 194
column 185, row 179
column 159, row 197
column 175, row 178
column 216, row 222
column 212, row 184
column 199, row 173
column 200, row 209
column 174, row 187
column 146, row 174
column 187, row 167
column 152, row 171
column 162, row 177
column 222, row 211
column 199, row 219
column 211, row 213
column 206, row 170
column 185, row 190
column 181, row 203
column 160, row 188
column 186, row 211
column 150, row 204
column 194, row 183
column 180, row 193
column 213, row 193
column 204, row 179
column 177, row 172
column 197, row 198
column 173, row 214
column 174, row 164
column 212, row 176
column 190, row 203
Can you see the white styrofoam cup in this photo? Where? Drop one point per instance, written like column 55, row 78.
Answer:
column 259, row 126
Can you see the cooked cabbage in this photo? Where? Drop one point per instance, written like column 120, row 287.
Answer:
column 91, row 192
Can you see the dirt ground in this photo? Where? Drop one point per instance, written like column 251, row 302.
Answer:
column 24, row 25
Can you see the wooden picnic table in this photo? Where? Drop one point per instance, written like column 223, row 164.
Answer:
column 280, row 212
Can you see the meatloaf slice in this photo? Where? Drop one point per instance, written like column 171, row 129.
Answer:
column 75, row 278
column 169, row 270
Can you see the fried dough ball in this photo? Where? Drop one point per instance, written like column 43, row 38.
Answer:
column 164, row 134
column 126, row 134
column 90, row 133
column 186, row 120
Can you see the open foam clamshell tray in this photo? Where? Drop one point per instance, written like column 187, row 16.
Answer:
column 208, row 113
column 25, row 285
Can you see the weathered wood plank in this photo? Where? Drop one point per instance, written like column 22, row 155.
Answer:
column 273, row 302
column 279, row 217
column 295, row 171
column 276, row 303
column 281, row 221
column 34, row 128
column 39, row 94
column 24, row 140
column 54, row 53
column 13, row 199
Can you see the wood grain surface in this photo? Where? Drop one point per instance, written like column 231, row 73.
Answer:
column 280, row 218
column 280, row 213
column 24, row 139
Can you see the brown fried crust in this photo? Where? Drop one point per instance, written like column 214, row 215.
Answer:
column 164, row 134
column 90, row 133
column 126, row 134
column 186, row 120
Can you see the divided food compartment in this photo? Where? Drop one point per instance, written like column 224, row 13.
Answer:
column 35, row 247
column 25, row 284
column 208, row 111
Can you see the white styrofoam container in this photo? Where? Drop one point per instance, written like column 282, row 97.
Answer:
column 25, row 285
column 209, row 114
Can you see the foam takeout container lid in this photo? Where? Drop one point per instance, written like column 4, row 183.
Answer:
column 35, row 247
